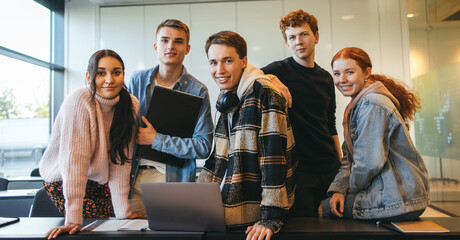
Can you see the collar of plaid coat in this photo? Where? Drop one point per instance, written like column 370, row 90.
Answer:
column 257, row 153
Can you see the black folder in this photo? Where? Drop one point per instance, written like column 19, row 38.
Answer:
column 173, row 113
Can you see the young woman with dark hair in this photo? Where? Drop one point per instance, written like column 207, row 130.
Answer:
column 86, row 165
column 382, row 176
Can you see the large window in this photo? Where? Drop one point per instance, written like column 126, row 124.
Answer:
column 31, row 81
column 25, row 27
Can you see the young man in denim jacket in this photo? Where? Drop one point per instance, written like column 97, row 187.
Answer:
column 172, row 44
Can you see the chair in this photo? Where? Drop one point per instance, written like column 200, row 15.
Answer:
column 35, row 173
column 3, row 184
column 43, row 206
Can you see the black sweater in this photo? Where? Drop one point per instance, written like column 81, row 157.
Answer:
column 312, row 114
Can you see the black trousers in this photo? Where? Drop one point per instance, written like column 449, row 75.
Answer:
column 311, row 189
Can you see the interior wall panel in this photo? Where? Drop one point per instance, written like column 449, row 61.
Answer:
column 391, row 32
column 204, row 17
column 154, row 15
column 122, row 30
column 260, row 30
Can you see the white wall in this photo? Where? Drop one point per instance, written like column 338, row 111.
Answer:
column 80, row 40
column 377, row 26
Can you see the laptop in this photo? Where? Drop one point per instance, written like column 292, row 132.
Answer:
column 191, row 207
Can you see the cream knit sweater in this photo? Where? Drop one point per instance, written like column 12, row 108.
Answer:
column 78, row 151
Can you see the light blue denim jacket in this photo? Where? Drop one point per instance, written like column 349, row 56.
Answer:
column 386, row 172
column 199, row 146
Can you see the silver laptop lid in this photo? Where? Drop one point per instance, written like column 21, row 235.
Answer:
column 184, row 206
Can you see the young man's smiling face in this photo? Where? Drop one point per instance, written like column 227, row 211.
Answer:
column 225, row 66
column 171, row 46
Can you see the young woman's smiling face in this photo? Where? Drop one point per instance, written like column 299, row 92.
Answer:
column 348, row 76
column 109, row 77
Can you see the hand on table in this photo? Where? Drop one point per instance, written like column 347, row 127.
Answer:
column 68, row 228
column 258, row 232
column 339, row 199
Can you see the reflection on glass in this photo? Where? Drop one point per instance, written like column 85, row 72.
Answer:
column 434, row 32
column 24, row 116
column 25, row 27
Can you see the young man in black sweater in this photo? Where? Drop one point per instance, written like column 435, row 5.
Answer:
column 312, row 113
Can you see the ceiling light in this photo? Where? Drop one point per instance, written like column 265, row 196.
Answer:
column 348, row 17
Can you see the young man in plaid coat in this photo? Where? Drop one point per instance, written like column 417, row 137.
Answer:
column 253, row 141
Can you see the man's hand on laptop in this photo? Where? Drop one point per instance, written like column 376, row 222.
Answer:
column 146, row 135
column 258, row 232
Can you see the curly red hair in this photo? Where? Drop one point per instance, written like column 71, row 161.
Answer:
column 296, row 19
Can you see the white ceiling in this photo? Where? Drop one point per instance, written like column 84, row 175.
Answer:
column 142, row 2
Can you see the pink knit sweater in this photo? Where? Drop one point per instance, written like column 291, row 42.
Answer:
column 78, row 151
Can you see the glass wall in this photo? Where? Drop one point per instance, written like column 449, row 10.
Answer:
column 26, row 78
column 434, row 27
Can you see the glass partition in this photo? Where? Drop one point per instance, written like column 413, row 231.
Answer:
column 434, row 31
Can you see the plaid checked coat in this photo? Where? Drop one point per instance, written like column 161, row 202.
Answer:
column 259, row 185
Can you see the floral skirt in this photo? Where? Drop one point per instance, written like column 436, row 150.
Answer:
column 97, row 202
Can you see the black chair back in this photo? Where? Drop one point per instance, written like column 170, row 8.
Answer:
column 3, row 184
column 35, row 173
column 43, row 206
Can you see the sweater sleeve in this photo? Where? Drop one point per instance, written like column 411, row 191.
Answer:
column 75, row 151
column 119, row 176
column 119, row 187
column 331, row 110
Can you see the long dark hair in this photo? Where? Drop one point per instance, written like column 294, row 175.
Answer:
column 407, row 98
column 123, row 122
